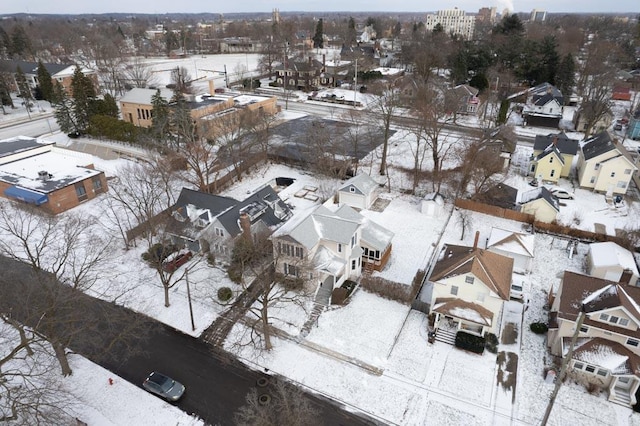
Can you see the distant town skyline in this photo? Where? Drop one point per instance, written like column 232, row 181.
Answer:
column 245, row 6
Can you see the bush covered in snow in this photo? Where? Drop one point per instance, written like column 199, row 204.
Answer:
column 470, row 342
column 539, row 327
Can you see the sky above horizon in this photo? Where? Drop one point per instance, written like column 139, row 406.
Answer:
column 243, row 6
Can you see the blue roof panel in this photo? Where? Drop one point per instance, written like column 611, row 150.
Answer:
column 26, row 195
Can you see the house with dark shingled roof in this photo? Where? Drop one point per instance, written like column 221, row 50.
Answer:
column 604, row 165
column 607, row 349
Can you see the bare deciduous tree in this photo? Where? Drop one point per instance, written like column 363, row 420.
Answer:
column 253, row 257
column 138, row 74
column 287, row 405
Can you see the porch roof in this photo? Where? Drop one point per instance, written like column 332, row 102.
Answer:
column 324, row 260
column 606, row 354
column 463, row 310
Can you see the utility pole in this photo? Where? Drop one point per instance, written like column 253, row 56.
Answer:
column 563, row 368
column 355, row 85
column 193, row 324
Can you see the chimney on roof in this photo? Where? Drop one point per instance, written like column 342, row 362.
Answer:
column 475, row 240
column 245, row 226
column 555, row 140
column 44, row 175
column 212, row 88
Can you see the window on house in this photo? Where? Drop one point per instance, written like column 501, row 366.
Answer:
column 97, row 184
column 468, row 279
column 553, row 173
column 604, row 317
column 592, row 180
column 602, row 372
column 551, row 159
column 533, row 168
column 353, row 265
column 339, row 248
column 597, row 166
column 578, row 365
column 219, row 232
column 353, row 240
column 584, row 329
column 352, row 189
column 613, row 174
column 454, row 290
column 633, row 342
column 623, row 322
column 621, row 184
column 81, row 192
column 627, row 171
column 590, row 368
column 291, row 270
column 613, row 319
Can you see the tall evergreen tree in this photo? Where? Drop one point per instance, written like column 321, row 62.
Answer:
column 318, row 38
column 23, row 88
column 566, row 75
column 44, row 82
column 64, row 110
column 5, row 92
column 160, row 120
column 5, row 43
column 106, row 106
column 350, row 38
column 83, row 93
column 20, row 43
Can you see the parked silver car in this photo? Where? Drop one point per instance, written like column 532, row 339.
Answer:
column 163, row 386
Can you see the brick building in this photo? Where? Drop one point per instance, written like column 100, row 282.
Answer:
column 51, row 178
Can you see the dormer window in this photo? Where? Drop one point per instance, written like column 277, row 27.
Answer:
column 201, row 223
column 177, row 216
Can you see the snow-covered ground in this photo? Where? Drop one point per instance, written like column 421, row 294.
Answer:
column 372, row 354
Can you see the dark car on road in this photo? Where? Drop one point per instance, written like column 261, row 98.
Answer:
column 163, row 386
column 173, row 263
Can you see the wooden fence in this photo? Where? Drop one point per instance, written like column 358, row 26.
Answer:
column 548, row 228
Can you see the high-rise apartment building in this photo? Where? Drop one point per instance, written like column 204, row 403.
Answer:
column 453, row 21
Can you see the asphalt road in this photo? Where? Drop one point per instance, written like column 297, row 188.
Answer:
column 132, row 345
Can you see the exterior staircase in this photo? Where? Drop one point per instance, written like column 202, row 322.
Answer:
column 446, row 336
column 621, row 397
column 322, row 300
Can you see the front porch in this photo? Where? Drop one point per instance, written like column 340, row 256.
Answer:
column 622, row 390
column 453, row 315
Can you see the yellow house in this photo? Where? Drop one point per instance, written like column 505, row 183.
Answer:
column 604, row 165
column 540, row 203
column 548, row 165
column 548, row 168
column 470, row 286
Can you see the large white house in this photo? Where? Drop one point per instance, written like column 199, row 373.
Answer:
column 326, row 248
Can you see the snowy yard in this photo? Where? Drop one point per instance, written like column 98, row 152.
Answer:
column 404, row 379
